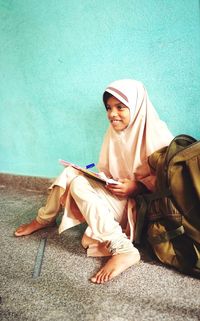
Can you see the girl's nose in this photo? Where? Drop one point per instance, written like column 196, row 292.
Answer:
column 113, row 112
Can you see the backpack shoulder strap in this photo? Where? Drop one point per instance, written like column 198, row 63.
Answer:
column 177, row 144
column 157, row 164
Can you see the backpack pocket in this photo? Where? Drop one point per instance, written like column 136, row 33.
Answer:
column 173, row 247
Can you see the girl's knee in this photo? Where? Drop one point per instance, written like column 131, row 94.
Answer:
column 78, row 184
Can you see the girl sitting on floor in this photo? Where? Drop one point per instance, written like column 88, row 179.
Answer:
column 134, row 133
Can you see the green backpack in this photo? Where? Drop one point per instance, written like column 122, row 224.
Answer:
column 172, row 212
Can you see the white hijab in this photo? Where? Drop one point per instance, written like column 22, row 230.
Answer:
column 123, row 152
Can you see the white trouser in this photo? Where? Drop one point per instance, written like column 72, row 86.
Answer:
column 102, row 212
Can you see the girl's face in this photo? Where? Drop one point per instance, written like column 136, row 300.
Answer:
column 118, row 114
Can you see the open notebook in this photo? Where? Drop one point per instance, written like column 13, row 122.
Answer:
column 98, row 176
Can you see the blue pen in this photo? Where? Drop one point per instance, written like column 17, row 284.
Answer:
column 90, row 165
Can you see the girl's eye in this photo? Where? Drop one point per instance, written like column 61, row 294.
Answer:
column 108, row 108
column 120, row 107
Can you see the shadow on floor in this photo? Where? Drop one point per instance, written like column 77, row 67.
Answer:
column 63, row 292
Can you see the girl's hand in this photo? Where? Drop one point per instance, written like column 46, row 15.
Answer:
column 125, row 188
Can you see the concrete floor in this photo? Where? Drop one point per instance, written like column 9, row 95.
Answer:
column 63, row 292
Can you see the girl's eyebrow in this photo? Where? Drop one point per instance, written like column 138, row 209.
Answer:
column 118, row 104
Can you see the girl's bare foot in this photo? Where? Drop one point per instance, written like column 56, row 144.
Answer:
column 31, row 227
column 87, row 241
column 115, row 265
column 97, row 250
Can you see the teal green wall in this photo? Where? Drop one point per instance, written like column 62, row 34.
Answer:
column 57, row 56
